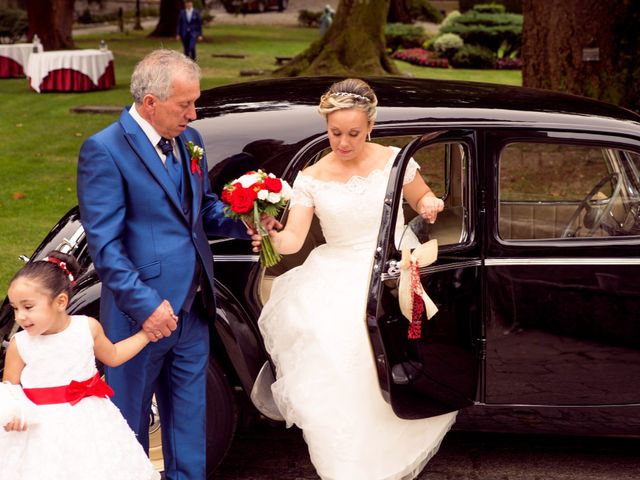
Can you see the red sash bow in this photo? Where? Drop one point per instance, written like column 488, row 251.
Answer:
column 72, row 393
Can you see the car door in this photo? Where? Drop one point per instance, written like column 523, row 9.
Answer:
column 562, row 269
column 438, row 372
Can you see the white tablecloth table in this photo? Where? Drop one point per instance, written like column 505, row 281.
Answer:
column 71, row 70
column 14, row 58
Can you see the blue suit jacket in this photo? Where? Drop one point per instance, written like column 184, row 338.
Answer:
column 143, row 241
column 194, row 27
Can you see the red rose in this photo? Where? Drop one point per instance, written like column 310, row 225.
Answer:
column 242, row 199
column 226, row 196
column 273, row 184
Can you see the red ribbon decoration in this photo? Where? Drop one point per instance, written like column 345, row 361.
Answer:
column 195, row 166
column 72, row 393
column 415, row 327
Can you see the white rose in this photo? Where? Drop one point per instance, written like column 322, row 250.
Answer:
column 263, row 194
column 273, row 197
column 248, row 180
column 286, row 191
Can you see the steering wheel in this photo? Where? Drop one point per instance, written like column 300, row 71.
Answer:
column 593, row 217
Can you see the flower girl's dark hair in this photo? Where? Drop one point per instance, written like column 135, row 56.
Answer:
column 56, row 273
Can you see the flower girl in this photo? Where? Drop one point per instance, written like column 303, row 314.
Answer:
column 76, row 432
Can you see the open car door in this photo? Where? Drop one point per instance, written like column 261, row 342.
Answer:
column 438, row 372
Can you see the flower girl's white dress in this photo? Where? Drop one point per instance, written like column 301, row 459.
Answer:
column 86, row 441
column 314, row 329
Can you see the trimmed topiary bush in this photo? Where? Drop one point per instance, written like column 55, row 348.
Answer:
column 401, row 35
column 487, row 29
column 489, row 8
column 453, row 14
column 473, row 56
column 446, row 45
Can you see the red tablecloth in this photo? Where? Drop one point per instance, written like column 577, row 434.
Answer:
column 13, row 59
column 71, row 71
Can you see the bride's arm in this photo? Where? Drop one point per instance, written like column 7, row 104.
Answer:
column 291, row 239
column 422, row 199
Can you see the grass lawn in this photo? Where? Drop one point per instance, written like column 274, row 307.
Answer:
column 38, row 160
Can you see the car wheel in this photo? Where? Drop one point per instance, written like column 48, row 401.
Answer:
column 261, row 6
column 222, row 417
column 282, row 5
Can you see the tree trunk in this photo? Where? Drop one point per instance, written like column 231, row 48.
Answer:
column 169, row 11
column 52, row 21
column 399, row 12
column 354, row 44
column 585, row 47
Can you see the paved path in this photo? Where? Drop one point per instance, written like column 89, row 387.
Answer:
column 272, row 452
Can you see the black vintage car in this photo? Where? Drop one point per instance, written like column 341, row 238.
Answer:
column 537, row 279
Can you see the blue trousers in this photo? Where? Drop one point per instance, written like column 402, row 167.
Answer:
column 189, row 41
column 175, row 369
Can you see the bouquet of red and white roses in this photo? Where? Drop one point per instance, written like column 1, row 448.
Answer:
column 250, row 197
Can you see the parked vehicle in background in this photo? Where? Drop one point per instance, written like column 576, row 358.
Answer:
column 254, row 6
column 536, row 279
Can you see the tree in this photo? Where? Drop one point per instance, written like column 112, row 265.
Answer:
column 52, row 21
column 585, row 47
column 399, row 12
column 169, row 11
column 354, row 44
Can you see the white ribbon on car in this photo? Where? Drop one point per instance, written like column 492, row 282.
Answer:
column 421, row 256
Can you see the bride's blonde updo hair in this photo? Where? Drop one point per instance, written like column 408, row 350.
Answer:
column 349, row 93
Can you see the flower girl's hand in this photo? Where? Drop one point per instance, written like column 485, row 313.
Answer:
column 15, row 425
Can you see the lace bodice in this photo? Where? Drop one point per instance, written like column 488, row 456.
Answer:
column 56, row 359
column 350, row 212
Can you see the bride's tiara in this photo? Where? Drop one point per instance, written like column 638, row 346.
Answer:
column 351, row 95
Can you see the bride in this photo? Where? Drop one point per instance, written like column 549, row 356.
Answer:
column 314, row 324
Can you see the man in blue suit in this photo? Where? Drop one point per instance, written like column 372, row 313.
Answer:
column 189, row 29
column 147, row 213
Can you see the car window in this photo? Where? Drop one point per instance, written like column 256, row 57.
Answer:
column 551, row 191
column 444, row 167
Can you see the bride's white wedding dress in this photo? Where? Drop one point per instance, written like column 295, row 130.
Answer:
column 314, row 329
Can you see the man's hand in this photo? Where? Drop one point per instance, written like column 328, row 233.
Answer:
column 161, row 322
column 269, row 224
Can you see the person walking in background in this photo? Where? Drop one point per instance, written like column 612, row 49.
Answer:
column 326, row 19
column 189, row 29
column 147, row 208
column 74, row 432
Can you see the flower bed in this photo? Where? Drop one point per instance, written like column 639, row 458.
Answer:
column 509, row 63
column 420, row 56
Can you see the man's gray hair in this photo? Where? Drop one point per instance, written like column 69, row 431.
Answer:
column 155, row 73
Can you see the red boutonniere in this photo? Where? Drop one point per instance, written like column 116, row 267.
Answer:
column 196, row 153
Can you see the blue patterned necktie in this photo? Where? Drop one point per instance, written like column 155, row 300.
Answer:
column 171, row 163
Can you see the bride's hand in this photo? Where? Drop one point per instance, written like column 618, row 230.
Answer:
column 270, row 225
column 429, row 207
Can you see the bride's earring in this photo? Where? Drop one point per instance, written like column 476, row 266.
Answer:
column 368, row 136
